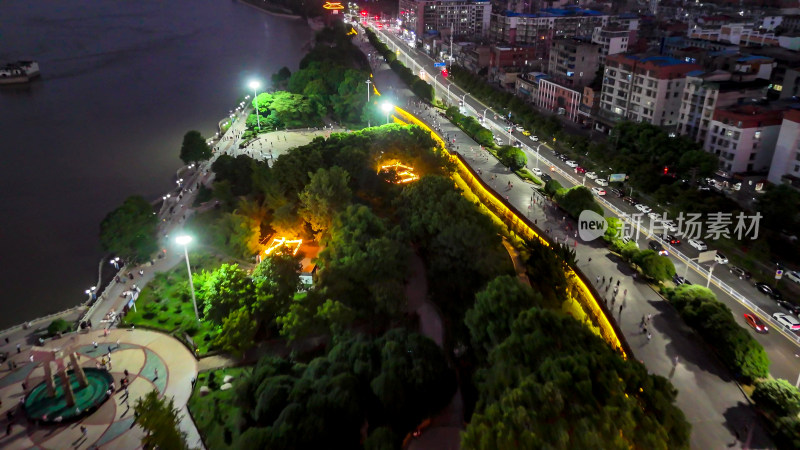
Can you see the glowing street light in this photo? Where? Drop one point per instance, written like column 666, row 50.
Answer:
column 184, row 240
column 91, row 292
column 254, row 85
column 387, row 108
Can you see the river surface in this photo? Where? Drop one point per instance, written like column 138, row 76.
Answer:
column 122, row 81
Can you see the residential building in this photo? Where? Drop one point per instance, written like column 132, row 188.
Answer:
column 642, row 88
column 791, row 83
column 590, row 103
column 612, row 40
column 559, row 99
column 785, row 60
column 573, row 62
column 506, row 62
column 744, row 136
column 704, row 92
column 465, row 17
column 527, row 85
column 785, row 166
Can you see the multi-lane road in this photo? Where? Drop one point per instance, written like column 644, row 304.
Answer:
column 782, row 346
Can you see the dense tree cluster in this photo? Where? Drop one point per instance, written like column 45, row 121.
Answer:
column 472, row 127
column 714, row 321
column 194, row 148
column 160, row 420
column 130, row 230
column 362, row 386
column 779, row 401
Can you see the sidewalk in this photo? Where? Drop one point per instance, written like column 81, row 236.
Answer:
column 711, row 401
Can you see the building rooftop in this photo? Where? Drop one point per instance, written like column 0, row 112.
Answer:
column 657, row 60
column 556, row 12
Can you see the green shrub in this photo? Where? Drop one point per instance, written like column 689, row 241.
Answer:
column 512, row 157
column 777, row 396
column 552, row 187
column 577, row 199
column 58, row 326
column 713, row 320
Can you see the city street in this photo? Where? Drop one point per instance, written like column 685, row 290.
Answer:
column 712, row 402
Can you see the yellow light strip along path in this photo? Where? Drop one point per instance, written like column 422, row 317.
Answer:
column 585, row 293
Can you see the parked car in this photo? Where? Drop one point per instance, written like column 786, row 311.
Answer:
column 643, row 208
column 546, row 177
column 519, row 128
column 626, row 239
column 571, row 163
column 786, row 321
column 755, row 323
column 601, row 182
column 654, row 215
column 669, row 226
column 535, row 138
column 537, row 171
column 580, row 170
column 672, row 239
column 766, row 289
column 617, row 193
column 793, row 275
column 526, row 133
column 789, row 306
column 679, row 280
column 698, row 244
column 564, row 158
column 657, row 247
column 719, row 258
column 598, row 191
column 498, row 140
column 630, row 200
column 740, row 273
column 591, row 175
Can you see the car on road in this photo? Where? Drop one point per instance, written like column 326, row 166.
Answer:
column 617, row 193
column 519, row 128
column 601, row 182
column 786, row 321
column 498, row 140
column 793, row 275
column 535, row 138
column 740, row 273
column 698, row 244
column 658, row 248
column 630, row 200
column 580, row 169
column 654, row 215
column 564, row 158
column 546, row 177
column 766, row 289
column 571, row 163
column 669, row 226
column 789, row 306
column 598, row 191
column 672, row 239
column 537, row 171
column 719, row 258
column 643, row 208
column 526, row 133
column 591, row 175
column 628, row 238
column 755, row 323
column 679, row 280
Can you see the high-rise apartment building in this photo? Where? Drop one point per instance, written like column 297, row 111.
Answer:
column 785, row 166
column 612, row 40
column 744, row 136
column 468, row 18
column 573, row 62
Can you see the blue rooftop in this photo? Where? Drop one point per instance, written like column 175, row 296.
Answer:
column 657, row 60
column 696, row 73
column 750, row 58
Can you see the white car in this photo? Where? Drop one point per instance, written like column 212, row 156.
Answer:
column 626, row 239
column 519, row 128
column 599, row 191
column 643, row 208
column 670, row 225
column 793, row 275
column 720, row 258
column 537, row 171
column 786, row 321
column 601, row 182
column 571, row 163
column 698, row 244
column 591, row 175
column 534, row 138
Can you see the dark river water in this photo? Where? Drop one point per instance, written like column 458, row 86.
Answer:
column 122, row 81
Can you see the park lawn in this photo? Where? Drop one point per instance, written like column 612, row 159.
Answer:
column 165, row 304
column 216, row 414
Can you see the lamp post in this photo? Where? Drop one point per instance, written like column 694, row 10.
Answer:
column 537, row 154
column 387, row 108
column 710, row 271
column 484, row 113
column 448, row 92
column 185, row 240
column 368, row 88
column 90, row 292
column 254, row 85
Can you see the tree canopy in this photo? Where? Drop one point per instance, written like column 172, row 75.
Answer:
column 130, row 230
column 194, row 147
column 160, row 420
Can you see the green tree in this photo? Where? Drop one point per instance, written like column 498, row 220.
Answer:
column 656, row 267
column 225, row 290
column 58, row 326
column 194, row 148
column 777, row 396
column 276, row 279
column 281, row 77
column 326, row 194
column 130, row 230
column 780, row 205
column 160, row 420
column 512, row 157
column 577, row 199
column 496, row 307
column 237, row 333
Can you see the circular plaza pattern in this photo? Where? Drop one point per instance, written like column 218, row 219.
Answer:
column 41, row 406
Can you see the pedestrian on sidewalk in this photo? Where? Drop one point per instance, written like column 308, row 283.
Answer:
column 597, row 280
column 620, row 307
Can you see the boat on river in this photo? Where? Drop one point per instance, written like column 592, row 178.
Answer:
column 19, row 72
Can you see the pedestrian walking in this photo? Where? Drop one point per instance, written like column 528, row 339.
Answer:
column 117, row 346
column 649, row 318
column 613, row 300
column 620, row 307
column 156, row 373
column 18, row 348
column 84, row 431
column 617, row 282
column 604, row 279
column 94, row 343
column 675, row 360
column 649, row 336
column 597, row 280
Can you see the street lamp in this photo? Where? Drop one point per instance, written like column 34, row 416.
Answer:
column 448, row 92
column 387, row 108
column 537, row 154
column 368, row 88
column 254, row 85
column 90, row 292
column 185, row 240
